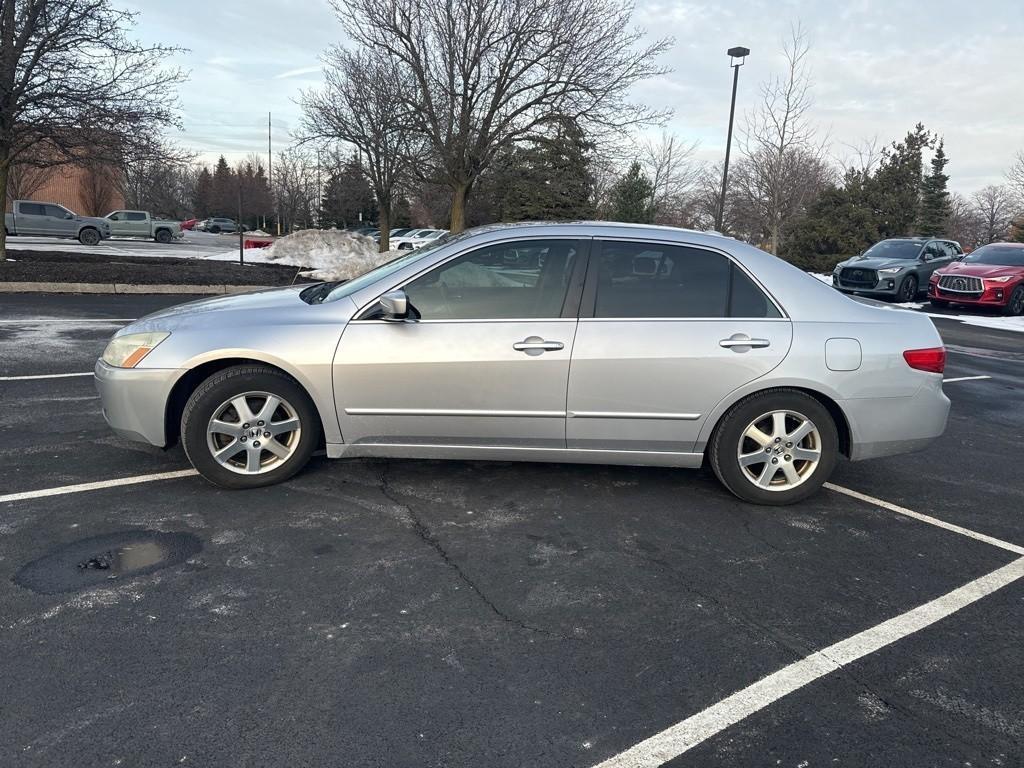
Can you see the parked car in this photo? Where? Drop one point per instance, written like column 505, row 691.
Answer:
column 683, row 345
column 418, row 238
column 898, row 268
column 398, row 232
column 189, row 224
column 217, row 225
column 52, row 220
column 141, row 224
column 992, row 276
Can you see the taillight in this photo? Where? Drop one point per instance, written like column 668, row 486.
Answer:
column 932, row 359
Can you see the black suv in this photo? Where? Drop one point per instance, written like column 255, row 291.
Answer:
column 898, row 268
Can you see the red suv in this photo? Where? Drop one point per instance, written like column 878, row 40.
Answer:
column 992, row 276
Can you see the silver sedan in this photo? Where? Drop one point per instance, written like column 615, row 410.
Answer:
column 596, row 343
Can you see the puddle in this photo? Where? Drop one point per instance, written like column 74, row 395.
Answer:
column 101, row 559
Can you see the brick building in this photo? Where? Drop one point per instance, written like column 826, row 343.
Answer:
column 89, row 190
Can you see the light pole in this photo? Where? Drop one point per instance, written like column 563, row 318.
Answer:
column 736, row 57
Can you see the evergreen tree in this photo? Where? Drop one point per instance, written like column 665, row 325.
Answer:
column 554, row 182
column 224, row 197
column 934, row 196
column 346, row 195
column 631, row 197
column 203, row 201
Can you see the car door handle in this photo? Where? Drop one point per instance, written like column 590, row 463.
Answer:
column 741, row 342
column 537, row 344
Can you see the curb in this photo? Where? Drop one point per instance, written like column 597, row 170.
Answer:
column 127, row 288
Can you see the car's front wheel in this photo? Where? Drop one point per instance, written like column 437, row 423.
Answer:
column 162, row 236
column 908, row 288
column 89, row 236
column 1015, row 306
column 775, row 447
column 249, row 426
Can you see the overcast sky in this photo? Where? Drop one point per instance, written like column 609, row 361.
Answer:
column 879, row 66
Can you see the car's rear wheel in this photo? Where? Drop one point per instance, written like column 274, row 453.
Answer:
column 89, row 237
column 249, row 426
column 1015, row 306
column 214, row 230
column 908, row 288
column 163, row 236
column 775, row 447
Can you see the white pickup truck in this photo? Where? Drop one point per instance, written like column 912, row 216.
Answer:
column 52, row 220
column 141, row 224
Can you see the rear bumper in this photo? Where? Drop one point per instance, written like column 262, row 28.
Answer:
column 893, row 425
column 135, row 401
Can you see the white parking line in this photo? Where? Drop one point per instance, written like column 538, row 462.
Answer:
column 927, row 519
column 44, row 376
column 683, row 736
column 965, row 378
column 63, row 489
column 694, row 730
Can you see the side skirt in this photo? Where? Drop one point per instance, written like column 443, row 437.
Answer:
column 512, row 453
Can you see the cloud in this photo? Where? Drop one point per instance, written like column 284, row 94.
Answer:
column 298, row 72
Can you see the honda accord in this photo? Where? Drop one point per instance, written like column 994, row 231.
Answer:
column 596, row 343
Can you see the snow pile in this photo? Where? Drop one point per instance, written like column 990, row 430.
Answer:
column 330, row 253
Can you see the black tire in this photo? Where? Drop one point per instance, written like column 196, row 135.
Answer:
column 726, row 440
column 908, row 288
column 1015, row 306
column 163, row 236
column 223, row 386
column 939, row 303
column 214, row 230
column 89, row 236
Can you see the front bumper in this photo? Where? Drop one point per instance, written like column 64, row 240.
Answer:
column 886, row 286
column 892, row 425
column 991, row 296
column 135, row 400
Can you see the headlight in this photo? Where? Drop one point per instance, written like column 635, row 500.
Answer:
column 1004, row 279
column 891, row 270
column 129, row 350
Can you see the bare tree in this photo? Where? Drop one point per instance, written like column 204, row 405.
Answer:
column 73, row 85
column 293, row 188
column 670, row 165
column 357, row 106
column 96, row 185
column 159, row 177
column 784, row 161
column 862, row 157
column 24, row 180
column 996, row 207
column 1015, row 176
column 489, row 73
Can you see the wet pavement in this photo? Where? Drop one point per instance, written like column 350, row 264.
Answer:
column 402, row 613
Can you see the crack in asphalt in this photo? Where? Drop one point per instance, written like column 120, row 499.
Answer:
column 425, row 535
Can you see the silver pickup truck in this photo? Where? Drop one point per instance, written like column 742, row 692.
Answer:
column 52, row 220
column 141, row 224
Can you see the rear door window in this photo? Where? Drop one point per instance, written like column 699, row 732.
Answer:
column 32, row 209
column 645, row 280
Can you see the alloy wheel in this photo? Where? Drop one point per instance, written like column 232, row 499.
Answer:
column 253, row 433
column 779, row 450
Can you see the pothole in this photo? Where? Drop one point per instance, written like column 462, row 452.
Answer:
column 101, row 559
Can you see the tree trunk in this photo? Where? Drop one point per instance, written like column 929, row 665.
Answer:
column 384, row 216
column 5, row 170
column 460, row 192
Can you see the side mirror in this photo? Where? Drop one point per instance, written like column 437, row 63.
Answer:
column 395, row 304
column 69, row 215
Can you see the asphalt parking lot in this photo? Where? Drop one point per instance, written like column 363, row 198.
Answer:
column 400, row 613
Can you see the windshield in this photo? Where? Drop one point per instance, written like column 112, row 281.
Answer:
column 388, row 268
column 997, row 255
column 894, row 249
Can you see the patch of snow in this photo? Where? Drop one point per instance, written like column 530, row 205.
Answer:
column 328, row 254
